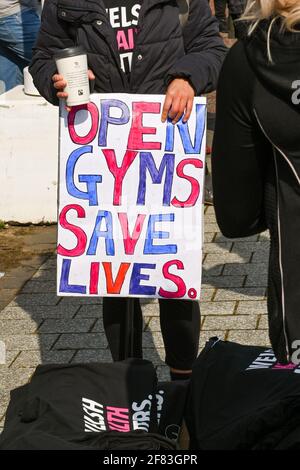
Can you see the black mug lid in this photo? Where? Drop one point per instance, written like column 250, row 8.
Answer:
column 69, row 52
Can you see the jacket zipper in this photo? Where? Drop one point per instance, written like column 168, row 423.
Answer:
column 274, row 146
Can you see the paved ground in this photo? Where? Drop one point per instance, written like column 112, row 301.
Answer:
column 39, row 327
column 23, row 249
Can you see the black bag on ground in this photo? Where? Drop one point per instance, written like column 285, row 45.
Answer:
column 88, row 406
column 241, row 398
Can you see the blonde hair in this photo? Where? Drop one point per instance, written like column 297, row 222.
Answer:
column 288, row 10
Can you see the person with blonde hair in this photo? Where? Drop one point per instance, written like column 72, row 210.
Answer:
column 256, row 155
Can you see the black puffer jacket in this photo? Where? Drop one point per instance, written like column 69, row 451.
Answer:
column 164, row 49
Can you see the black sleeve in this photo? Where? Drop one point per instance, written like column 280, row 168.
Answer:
column 205, row 50
column 240, row 151
column 51, row 38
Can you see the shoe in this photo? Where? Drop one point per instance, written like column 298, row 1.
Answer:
column 208, row 191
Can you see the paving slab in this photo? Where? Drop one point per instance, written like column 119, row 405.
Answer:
column 233, row 322
column 250, row 337
column 77, row 325
column 34, row 358
column 81, row 341
column 92, row 355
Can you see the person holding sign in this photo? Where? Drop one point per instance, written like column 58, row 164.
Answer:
column 139, row 47
column 256, row 155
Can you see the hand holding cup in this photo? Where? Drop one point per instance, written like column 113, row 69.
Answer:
column 72, row 79
column 60, row 84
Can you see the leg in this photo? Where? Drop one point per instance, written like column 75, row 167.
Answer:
column 282, row 210
column 276, row 327
column 30, row 24
column 180, row 327
column 240, row 27
column 208, row 190
column 9, row 71
column 114, row 311
column 17, row 36
column 236, row 9
column 220, row 13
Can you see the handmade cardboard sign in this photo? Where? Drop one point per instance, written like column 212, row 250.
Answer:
column 130, row 199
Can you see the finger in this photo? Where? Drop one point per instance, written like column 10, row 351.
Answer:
column 68, row 108
column 180, row 111
column 178, row 115
column 91, row 75
column 60, row 85
column 62, row 95
column 166, row 107
column 175, row 108
column 56, row 77
column 188, row 110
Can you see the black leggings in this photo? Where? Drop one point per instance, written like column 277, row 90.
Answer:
column 180, row 327
column 236, row 9
column 220, row 10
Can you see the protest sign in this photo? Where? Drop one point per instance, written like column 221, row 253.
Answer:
column 130, row 199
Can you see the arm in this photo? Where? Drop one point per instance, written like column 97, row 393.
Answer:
column 51, row 38
column 205, row 50
column 241, row 153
